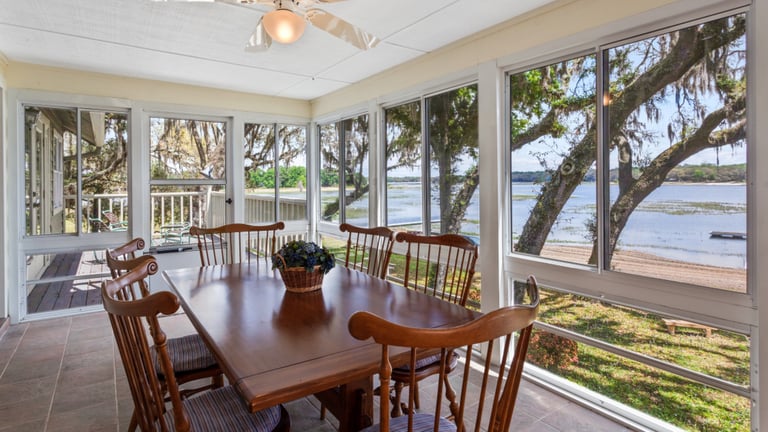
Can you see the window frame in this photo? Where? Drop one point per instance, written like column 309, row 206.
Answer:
column 426, row 153
column 226, row 181
column 55, row 243
column 31, row 243
column 727, row 310
column 731, row 311
column 277, row 125
column 338, row 122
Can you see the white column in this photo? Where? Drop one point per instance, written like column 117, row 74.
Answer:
column 491, row 167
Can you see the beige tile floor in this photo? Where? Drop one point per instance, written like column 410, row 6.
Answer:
column 65, row 375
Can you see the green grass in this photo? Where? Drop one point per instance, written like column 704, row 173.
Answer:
column 669, row 397
column 673, row 399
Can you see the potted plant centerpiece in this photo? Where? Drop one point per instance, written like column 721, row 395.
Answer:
column 302, row 265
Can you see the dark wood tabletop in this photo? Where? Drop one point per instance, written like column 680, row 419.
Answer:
column 276, row 346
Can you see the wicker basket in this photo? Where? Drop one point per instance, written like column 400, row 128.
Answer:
column 298, row 279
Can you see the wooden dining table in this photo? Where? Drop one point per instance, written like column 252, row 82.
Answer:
column 276, row 346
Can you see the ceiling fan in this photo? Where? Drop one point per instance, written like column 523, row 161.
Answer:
column 286, row 22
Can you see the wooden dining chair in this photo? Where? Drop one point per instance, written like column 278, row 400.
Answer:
column 127, row 250
column 235, row 243
column 134, row 324
column 192, row 360
column 442, row 266
column 486, row 392
column 368, row 249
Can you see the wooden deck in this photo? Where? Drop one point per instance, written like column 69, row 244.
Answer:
column 51, row 296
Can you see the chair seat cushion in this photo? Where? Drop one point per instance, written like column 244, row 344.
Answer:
column 187, row 353
column 428, row 361
column 421, row 423
column 222, row 409
column 420, row 363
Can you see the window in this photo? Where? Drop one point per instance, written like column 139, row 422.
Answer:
column 263, row 188
column 453, row 171
column 444, row 188
column 405, row 194
column 344, row 144
column 632, row 162
column 552, row 121
column 678, row 157
column 188, row 176
column 432, row 173
column 675, row 178
column 75, row 170
column 75, row 183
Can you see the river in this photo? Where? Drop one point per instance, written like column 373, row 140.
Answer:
column 674, row 222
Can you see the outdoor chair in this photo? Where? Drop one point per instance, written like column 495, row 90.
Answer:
column 486, row 391
column 175, row 233
column 190, row 356
column 113, row 222
column 368, row 249
column 135, row 323
column 442, row 266
column 235, row 243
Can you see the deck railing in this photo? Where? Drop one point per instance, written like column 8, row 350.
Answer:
column 205, row 208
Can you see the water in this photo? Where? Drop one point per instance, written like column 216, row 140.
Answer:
column 673, row 222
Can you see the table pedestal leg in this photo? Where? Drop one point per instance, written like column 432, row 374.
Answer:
column 350, row 403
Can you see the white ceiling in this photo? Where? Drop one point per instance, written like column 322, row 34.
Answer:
column 203, row 43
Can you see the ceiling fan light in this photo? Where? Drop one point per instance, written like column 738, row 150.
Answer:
column 283, row 25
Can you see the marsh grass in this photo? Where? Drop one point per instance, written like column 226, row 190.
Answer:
column 681, row 208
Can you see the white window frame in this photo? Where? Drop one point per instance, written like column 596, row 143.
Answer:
column 28, row 245
column 731, row 311
column 276, row 125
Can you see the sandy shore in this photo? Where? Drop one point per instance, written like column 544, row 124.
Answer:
column 651, row 265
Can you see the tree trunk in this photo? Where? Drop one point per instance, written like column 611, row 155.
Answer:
column 462, row 200
column 691, row 47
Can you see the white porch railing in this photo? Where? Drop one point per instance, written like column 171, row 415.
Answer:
column 205, row 208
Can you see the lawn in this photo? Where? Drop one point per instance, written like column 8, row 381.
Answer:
column 686, row 404
column 671, row 398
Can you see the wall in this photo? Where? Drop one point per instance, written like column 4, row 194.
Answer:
column 522, row 36
column 3, row 246
column 34, row 77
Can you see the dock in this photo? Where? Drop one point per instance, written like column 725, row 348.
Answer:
column 728, row 235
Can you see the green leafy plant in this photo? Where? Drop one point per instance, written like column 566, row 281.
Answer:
column 551, row 351
column 308, row 255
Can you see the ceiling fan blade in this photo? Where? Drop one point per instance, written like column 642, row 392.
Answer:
column 259, row 40
column 245, row 2
column 304, row 4
column 269, row 2
column 341, row 29
column 202, row 1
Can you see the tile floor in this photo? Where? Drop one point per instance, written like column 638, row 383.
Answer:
column 65, row 375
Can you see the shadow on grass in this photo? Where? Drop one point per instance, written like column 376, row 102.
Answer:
column 724, row 354
column 665, row 396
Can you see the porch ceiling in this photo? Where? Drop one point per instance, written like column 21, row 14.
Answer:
column 202, row 43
